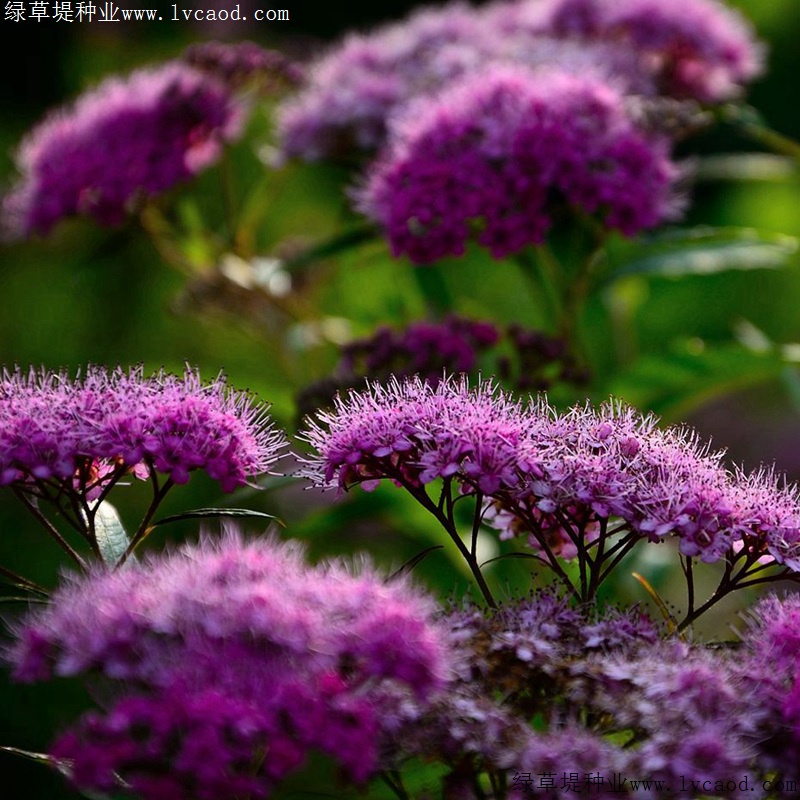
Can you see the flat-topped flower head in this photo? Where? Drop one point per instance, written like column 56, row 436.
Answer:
column 414, row 433
column 556, row 479
column 496, row 156
column 125, row 140
column 57, row 428
column 701, row 49
column 239, row 655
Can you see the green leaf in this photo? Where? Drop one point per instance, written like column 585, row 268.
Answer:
column 433, row 288
column 341, row 243
column 110, row 535
column 412, row 562
column 703, row 251
column 62, row 765
column 23, row 600
column 693, row 373
column 505, row 556
column 745, row 167
column 204, row 513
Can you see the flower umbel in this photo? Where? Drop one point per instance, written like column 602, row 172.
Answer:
column 67, row 442
column 54, row 427
column 240, row 656
column 588, row 484
column 493, row 157
column 122, row 142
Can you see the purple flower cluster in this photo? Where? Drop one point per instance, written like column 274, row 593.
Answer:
column 237, row 659
column 687, row 705
column 238, row 63
column 527, row 647
column 423, row 348
column 524, row 653
column 556, row 478
column 702, row 51
column 126, row 140
column 351, row 91
column 611, row 700
column 523, row 358
column 770, row 668
column 55, row 428
column 491, row 157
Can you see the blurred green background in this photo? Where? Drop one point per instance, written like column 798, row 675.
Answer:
column 707, row 349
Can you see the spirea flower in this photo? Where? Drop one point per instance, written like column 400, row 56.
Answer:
column 513, row 664
column 702, row 50
column 770, row 671
column 557, row 479
column 523, row 358
column 237, row 659
column 571, row 759
column 689, row 707
column 493, row 157
column 55, row 428
column 414, row 432
column 237, row 64
column 127, row 139
column 351, row 90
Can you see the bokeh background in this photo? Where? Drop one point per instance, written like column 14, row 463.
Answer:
column 701, row 349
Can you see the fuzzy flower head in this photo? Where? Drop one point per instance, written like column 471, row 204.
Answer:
column 556, row 478
column 494, row 157
column 413, row 432
column 351, row 91
column 690, row 706
column 243, row 658
column 238, row 64
column 523, row 358
column 54, row 428
column 125, row 140
column 702, row 50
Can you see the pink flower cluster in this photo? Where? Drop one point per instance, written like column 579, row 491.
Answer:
column 126, row 140
column 52, row 427
column 555, row 477
column 237, row 659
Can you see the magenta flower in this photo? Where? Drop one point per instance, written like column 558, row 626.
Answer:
column 240, row 658
column 237, row 64
column 494, row 157
column 414, row 433
column 351, row 90
column 53, row 428
column 126, row 140
column 702, row 50
column 561, row 480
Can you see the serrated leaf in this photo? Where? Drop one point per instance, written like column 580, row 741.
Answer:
column 110, row 534
column 205, row 513
column 705, row 251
